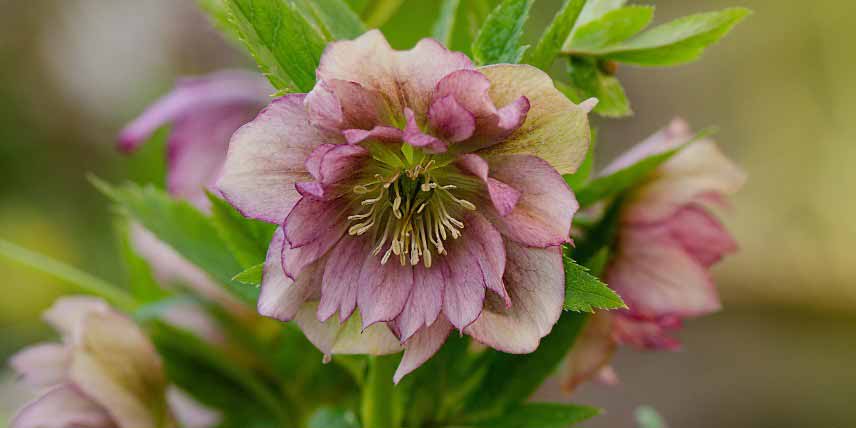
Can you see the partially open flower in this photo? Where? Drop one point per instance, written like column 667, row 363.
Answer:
column 421, row 190
column 106, row 373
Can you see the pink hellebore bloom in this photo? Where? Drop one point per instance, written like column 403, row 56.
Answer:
column 203, row 113
column 421, row 190
column 667, row 241
column 106, row 373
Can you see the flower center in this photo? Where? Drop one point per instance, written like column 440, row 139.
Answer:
column 411, row 211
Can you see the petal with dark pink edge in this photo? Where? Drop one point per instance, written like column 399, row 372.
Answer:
column 555, row 129
column 340, row 104
column 330, row 225
column 340, row 163
column 116, row 365
column 281, row 297
column 450, row 120
column 422, row 346
column 67, row 313
column 426, row 299
column 656, row 276
column 222, row 89
column 405, row 78
column 535, row 280
column 41, row 365
column 671, row 137
column 476, row 262
column 701, row 235
column 691, row 175
column 543, row 214
column 383, row 289
column 414, row 136
column 381, row 133
column 645, row 334
column 341, row 278
column 503, row 196
column 60, row 407
column 266, row 158
column 332, row 337
column 591, row 352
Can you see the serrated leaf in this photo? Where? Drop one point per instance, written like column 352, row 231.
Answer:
column 542, row 415
column 584, row 292
column 334, row 18
column 327, row 417
column 285, row 45
column 248, row 239
column 444, row 27
column 184, row 228
column 251, row 275
column 554, row 37
column 614, row 27
column 678, row 42
column 594, row 9
column 498, row 40
column 590, row 81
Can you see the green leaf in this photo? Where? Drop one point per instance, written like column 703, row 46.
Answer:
column 594, row 9
column 511, row 379
column 678, row 42
column 647, row 417
column 285, row 45
column 334, row 18
column 613, row 27
column 377, row 12
column 327, row 417
column 579, row 178
column 218, row 14
column 554, row 36
column 542, row 415
column 499, row 38
column 444, row 27
column 593, row 250
column 589, row 80
column 251, row 275
column 584, row 292
column 141, row 279
column 147, row 163
column 248, row 239
column 184, row 228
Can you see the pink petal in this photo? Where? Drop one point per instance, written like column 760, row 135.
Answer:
column 535, row 280
column 405, row 78
column 646, row 334
column 414, row 136
column 310, row 219
column 381, row 133
column 190, row 413
column 341, row 162
column 503, row 196
column 422, row 346
column 543, row 213
column 281, row 297
column 426, row 299
column 671, row 137
column 348, row 337
column 41, row 365
column 61, row 407
column 266, row 158
column 702, row 236
column 340, row 104
column 451, row 120
column 590, row 353
column 383, row 289
column 67, row 313
column 341, row 276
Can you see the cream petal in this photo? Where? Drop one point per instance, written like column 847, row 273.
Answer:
column 281, row 297
column 331, row 337
column 41, row 365
column 67, row 313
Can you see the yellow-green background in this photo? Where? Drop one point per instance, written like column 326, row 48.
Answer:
column 781, row 88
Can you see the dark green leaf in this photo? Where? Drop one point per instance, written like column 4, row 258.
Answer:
column 334, row 17
column 499, row 38
column 647, row 417
column 248, row 239
column 285, row 45
column 511, row 379
column 589, row 80
column 542, row 415
column 584, row 292
column 444, row 27
column 613, row 27
column 252, row 275
column 184, row 228
column 326, row 417
column 554, row 37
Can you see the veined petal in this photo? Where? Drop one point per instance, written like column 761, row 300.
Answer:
column 450, row 120
column 426, row 299
column 535, row 280
column 341, row 104
column 266, row 158
column 333, row 337
column 341, row 278
column 555, row 129
column 422, row 346
column 383, row 289
column 503, row 196
column 381, row 133
column 60, row 407
column 41, row 365
column 416, row 138
column 281, row 297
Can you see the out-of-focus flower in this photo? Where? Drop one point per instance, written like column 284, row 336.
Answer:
column 203, row 112
column 106, row 373
column 417, row 188
column 668, row 238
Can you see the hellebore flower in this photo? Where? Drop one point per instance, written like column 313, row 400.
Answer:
column 203, row 113
column 668, row 238
column 417, row 188
column 106, row 373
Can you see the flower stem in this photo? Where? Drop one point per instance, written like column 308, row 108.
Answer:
column 378, row 409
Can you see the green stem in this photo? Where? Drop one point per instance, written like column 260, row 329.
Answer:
column 377, row 401
column 69, row 274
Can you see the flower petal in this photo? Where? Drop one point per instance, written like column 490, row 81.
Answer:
column 266, row 158
column 340, row 104
column 326, row 229
column 341, row 278
column 41, row 365
column 647, row 334
column 381, row 133
column 414, row 136
column 61, row 407
column 331, row 337
column 535, row 280
column 503, row 196
column 383, row 289
column 425, row 301
column 590, row 353
column 671, row 137
column 450, row 120
column 543, row 214
column 67, row 313
column 422, row 346
column 189, row 412
column 555, row 129
column 281, row 297
column 701, row 235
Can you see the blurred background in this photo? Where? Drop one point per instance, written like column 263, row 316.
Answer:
column 780, row 88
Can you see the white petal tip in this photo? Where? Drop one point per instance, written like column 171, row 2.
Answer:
column 589, row 104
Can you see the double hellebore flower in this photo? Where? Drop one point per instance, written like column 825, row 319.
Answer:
column 668, row 238
column 423, row 191
column 105, row 374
